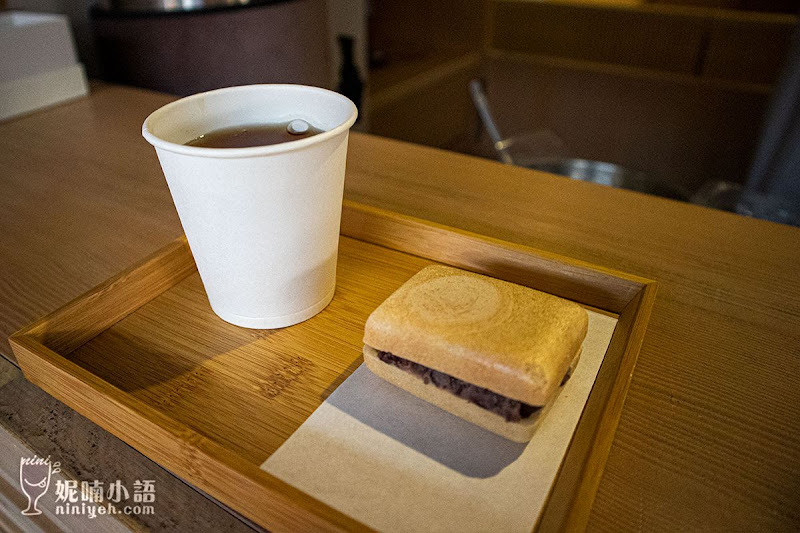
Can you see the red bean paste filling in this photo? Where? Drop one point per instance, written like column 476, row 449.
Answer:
column 511, row 410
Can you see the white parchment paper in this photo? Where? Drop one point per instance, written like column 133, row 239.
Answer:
column 397, row 463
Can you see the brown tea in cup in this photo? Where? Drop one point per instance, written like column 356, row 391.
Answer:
column 254, row 135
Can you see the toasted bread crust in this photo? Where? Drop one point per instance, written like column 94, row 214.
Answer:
column 510, row 339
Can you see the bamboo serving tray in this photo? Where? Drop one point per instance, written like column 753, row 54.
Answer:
column 143, row 356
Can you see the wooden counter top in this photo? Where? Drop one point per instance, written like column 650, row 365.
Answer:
column 709, row 437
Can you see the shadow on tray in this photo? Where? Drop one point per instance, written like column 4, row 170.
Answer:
column 448, row 440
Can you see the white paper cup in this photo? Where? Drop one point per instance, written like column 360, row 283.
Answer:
column 262, row 222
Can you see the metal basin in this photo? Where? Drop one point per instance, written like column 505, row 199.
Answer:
column 158, row 6
column 607, row 174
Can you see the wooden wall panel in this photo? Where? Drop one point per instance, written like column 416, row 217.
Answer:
column 673, row 90
column 683, row 131
column 746, row 51
column 727, row 44
column 618, row 36
column 408, row 26
column 772, row 6
column 437, row 114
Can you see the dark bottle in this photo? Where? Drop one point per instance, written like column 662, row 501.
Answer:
column 350, row 83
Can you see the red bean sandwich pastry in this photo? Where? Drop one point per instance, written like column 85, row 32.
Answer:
column 491, row 352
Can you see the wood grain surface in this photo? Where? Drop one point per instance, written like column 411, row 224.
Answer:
column 709, row 434
column 82, row 198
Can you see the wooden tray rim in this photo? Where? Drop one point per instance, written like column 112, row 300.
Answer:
column 42, row 347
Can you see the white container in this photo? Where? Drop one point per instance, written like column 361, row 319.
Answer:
column 38, row 65
column 262, row 222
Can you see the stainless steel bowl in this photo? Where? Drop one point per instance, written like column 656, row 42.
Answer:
column 607, row 174
column 170, row 5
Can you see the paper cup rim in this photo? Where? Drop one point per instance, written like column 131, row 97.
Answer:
column 251, row 151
